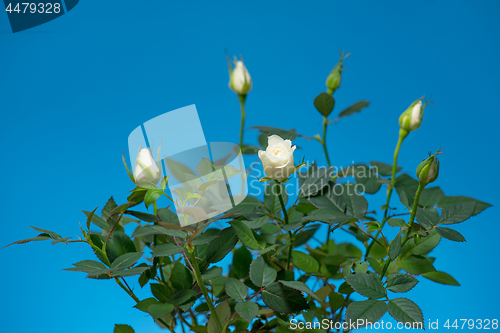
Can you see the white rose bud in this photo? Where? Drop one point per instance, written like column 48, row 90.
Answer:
column 146, row 168
column 411, row 119
column 277, row 160
column 239, row 80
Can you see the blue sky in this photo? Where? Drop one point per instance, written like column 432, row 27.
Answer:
column 73, row 89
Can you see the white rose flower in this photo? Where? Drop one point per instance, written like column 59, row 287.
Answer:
column 146, row 168
column 411, row 119
column 277, row 160
column 239, row 80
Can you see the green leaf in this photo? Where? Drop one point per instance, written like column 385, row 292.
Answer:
column 86, row 266
column 426, row 244
column 394, row 222
column 354, row 108
column 181, row 277
column 314, row 180
column 151, row 196
column 370, row 182
column 145, row 303
column 457, row 212
column 285, row 134
column 395, row 247
column 242, row 258
column 159, row 310
column 261, row 274
column 430, row 196
column 367, row 285
column 321, row 215
column 167, row 249
column 268, row 249
column 247, row 310
column 236, row 289
column 126, row 260
column 368, row 311
column 216, row 250
column 157, row 229
column 271, row 199
column 249, row 150
column 51, row 233
column 448, row 200
column 245, row 234
column 120, row 328
column 384, row 169
column 130, row 272
column 283, row 299
column 119, row 244
column 336, row 300
column 426, row 218
column 441, row 277
column 161, row 292
column 332, row 200
column 181, row 296
column 405, row 311
column 98, row 221
column 450, row 234
column 300, row 286
column 305, row 262
column 40, row 237
column 223, row 313
column 257, row 223
column 199, row 240
column 142, row 216
column 356, row 203
column 205, row 167
column 164, row 183
column 416, row 265
column 211, row 273
column 166, row 215
column 108, row 208
column 324, row 103
column 401, row 283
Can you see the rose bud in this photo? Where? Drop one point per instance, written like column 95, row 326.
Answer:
column 428, row 170
column 146, row 168
column 411, row 119
column 239, row 79
column 277, row 160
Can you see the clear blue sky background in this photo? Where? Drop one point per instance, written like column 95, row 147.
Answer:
column 73, row 89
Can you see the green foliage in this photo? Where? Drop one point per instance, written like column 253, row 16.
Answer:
column 405, row 311
column 120, row 328
column 367, row 285
column 284, row 261
column 283, row 299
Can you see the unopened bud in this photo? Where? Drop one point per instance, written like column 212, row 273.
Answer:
column 335, row 77
column 411, row 119
column 428, row 170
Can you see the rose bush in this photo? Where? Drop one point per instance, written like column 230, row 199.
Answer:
column 277, row 272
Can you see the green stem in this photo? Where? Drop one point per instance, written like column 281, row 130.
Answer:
column 285, row 221
column 413, row 211
column 203, row 289
column 282, row 202
column 242, row 104
column 402, row 136
column 323, row 143
column 410, row 225
column 131, row 294
column 325, row 124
